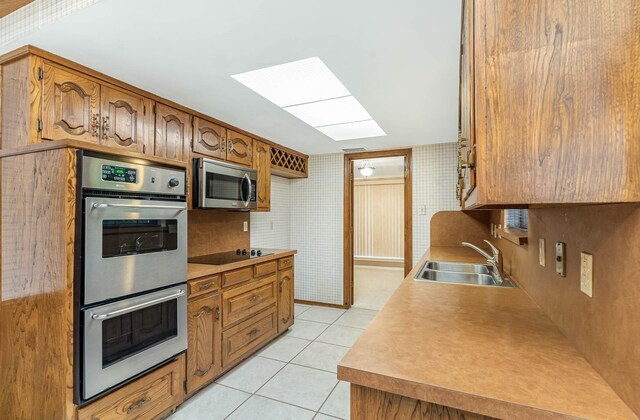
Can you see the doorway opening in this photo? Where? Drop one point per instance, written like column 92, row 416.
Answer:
column 378, row 233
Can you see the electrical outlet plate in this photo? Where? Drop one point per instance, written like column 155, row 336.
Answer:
column 245, row 226
column 560, row 259
column 586, row 274
column 542, row 254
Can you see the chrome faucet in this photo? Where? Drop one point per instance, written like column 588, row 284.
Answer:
column 495, row 260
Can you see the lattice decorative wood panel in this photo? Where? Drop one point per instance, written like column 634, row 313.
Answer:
column 288, row 163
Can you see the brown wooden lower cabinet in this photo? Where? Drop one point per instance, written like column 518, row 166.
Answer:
column 150, row 396
column 285, row 300
column 203, row 355
column 373, row 404
column 233, row 314
column 240, row 340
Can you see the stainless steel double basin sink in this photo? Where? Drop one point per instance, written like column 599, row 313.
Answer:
column 464, row 273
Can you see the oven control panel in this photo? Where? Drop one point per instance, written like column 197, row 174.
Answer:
column 131, row 175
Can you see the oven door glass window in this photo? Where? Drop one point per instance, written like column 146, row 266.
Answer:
column 128, row 334
column 138, row 236
column 223, row 187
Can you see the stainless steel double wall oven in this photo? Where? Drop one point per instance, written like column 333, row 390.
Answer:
column 131, row 270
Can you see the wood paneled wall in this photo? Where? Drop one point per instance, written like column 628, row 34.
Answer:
column 378, row 218
column 36, row 287
column 212, row 231
column 605, row 328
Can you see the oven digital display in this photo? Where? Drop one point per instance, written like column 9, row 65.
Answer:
column 119, row 174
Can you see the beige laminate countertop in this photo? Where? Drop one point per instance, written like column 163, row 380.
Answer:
column 487, row 350
column 195, row 271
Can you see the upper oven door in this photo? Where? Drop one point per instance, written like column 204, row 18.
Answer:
column 133, row 246
column 226, row 186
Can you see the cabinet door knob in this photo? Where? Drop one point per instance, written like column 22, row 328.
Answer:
column 105, row 127
column 217, row 312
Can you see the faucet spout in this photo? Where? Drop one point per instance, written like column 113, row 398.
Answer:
column 495, row 260
column 478, row 250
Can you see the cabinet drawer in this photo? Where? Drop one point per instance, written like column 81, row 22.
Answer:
column 147, row 397
column 263, row 269
column 237, row 276
column 242, row 302
column 284, row 263
column 245, row 337
column 203, row 285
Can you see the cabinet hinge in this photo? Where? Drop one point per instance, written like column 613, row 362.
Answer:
column 39, row 125
column 40, row 73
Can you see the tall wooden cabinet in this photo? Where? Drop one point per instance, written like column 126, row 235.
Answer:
column 262, row 165
column 553, row 101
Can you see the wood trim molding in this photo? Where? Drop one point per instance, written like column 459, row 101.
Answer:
column 314, row 303
column 348, row 215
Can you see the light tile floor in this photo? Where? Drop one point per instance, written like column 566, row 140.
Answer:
column 292, row 378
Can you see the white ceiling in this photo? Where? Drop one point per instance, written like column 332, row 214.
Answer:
column 398, row 58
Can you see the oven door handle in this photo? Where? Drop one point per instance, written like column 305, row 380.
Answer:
column 100, row 317
column 137, row 206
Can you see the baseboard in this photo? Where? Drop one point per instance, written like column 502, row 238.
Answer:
column 330, row 305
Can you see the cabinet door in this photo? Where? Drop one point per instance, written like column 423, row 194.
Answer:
column 466, row 132
column 70, row 107
column 173, row 133
column 209, row 138
column 204, row 349
column 262, row 164
column 239, row 148
column 285, row 300
column 123, row 124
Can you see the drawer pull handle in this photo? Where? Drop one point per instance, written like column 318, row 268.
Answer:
column 205, row 286
column 253, row 332
column 253, row 298
column 201, row 372
column 139, row 404
column 202, row 311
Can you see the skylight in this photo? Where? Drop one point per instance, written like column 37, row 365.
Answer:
column 310, row 91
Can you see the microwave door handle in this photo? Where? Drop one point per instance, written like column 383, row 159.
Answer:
column 246, row 181
column 133, row 308
column 137, row 206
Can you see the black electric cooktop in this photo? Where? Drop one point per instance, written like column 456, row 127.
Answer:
column 222, row 258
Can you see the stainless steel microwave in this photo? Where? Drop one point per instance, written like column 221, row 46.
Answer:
column 219, row 185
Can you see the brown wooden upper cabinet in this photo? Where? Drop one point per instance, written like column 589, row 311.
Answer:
column 173, row 133
column 124, row 123
column 262, row 165
column 239, row 148
column 209, row 138
column 70, row 106
column 551, row 102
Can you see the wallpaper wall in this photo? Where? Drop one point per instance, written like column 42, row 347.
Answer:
column 273, row 229
column 307, row 215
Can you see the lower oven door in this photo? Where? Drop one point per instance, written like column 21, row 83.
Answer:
column 133, row 246
column 124, row 338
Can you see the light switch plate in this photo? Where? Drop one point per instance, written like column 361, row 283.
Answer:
column 542, row 254
column 245, row 226
column 586, row 274
column 560, row 259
